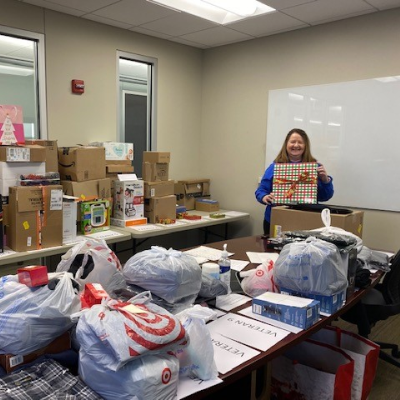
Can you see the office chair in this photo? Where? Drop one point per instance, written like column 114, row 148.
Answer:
column 380, row 303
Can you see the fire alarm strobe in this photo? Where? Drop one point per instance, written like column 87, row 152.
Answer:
column 78, row 86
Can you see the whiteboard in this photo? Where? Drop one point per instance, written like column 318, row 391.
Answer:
column 354, row 129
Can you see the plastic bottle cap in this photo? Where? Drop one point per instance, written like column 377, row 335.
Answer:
column 224, row 252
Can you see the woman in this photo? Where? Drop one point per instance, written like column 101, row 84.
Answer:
column 295, row 149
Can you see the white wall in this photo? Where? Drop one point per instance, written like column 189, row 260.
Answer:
column 236, row 82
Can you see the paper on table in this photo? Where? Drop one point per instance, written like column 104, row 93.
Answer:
column 248, row 312
column 259, row 258
column 247, row 331
column 105, row 234
column 230, row 301
column 206, row 252
column 229, row 354
column 238, row 265
column 149, row 227
column 188, row 386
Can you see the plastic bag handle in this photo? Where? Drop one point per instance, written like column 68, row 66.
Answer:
column 326, row 217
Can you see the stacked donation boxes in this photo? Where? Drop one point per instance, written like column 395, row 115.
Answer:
column 32, row 196
column 160, row 201
column 83, row 175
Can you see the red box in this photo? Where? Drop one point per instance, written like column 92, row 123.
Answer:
column 33, row 275
column 93, row 294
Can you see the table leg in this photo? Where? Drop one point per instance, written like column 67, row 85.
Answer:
column 264, row 375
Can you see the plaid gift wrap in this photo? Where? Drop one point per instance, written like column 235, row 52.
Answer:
column 295, row 183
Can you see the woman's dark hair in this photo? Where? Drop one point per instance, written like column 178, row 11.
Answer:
column 283, row 157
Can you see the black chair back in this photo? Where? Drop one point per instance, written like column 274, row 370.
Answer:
column 391, row 281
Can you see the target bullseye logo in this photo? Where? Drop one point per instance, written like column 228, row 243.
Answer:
column 166, row 376
column 259, row 272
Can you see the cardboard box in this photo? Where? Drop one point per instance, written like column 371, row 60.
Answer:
column 88, row 190
column 160, row 208
column 293, row 220
column 70, row 216
column 119, row 168
column 128, row 199
column 10, row 362
column 153, row 172
column 81, row 163
column 301, row 313
column 157, row 157
column 35, row 216
column 207, row 205
column 95, row 216
column 116, row 150
column 126, row 223
column 51, row 149
column 187, row 191
column 328, row 304
column 28, row 153
column 158, row 189
column 33, row 275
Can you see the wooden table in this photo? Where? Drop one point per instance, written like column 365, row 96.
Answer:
column 260, row 365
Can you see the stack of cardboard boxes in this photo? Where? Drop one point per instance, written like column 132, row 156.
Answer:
column 32, row 214
column 83, row 175
column 160, row 201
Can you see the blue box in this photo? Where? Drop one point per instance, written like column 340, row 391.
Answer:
column 328, row 304
column 283, row 308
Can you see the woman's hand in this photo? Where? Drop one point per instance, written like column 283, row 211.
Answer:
column 268, row 199
column 322, row 174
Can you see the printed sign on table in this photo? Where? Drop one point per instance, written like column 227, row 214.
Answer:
column 295, row 183
column 11, row 125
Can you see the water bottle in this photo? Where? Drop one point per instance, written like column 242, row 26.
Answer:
column 225, row 268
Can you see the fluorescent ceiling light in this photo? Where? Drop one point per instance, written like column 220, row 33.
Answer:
column 219, row 11
column 238, row 7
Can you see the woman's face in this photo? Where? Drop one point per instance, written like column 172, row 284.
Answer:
column 295, row 147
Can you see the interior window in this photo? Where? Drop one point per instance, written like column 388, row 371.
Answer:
column 137, row 85
column 22, row 81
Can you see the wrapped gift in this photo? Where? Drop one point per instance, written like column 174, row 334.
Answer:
column 295, row 183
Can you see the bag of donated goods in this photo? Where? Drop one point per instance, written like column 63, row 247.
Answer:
column 31, row 318
column 169, row 274
column 311, row 266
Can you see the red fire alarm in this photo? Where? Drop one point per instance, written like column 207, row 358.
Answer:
column 78, row 86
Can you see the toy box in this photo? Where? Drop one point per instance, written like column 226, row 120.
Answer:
column 33, row 275
column 128, row 199
column 95, row 216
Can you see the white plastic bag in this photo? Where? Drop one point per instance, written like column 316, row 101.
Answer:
column 197, row 359
column 311, row 266
column 147, row 378
column 259, row 280
column 169, row 274
column 31, row 318
column 92, row 261
column 128, row 330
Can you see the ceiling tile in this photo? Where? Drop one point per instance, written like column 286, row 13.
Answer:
column 189, row 43
column 384, row 4
column 328, row 10
column 86, row 5
column 134, row 12
column 179, row 24
column 55, row 7
column 216, row 36
column 282, row 4
column 107, row 21
column 267, row 24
